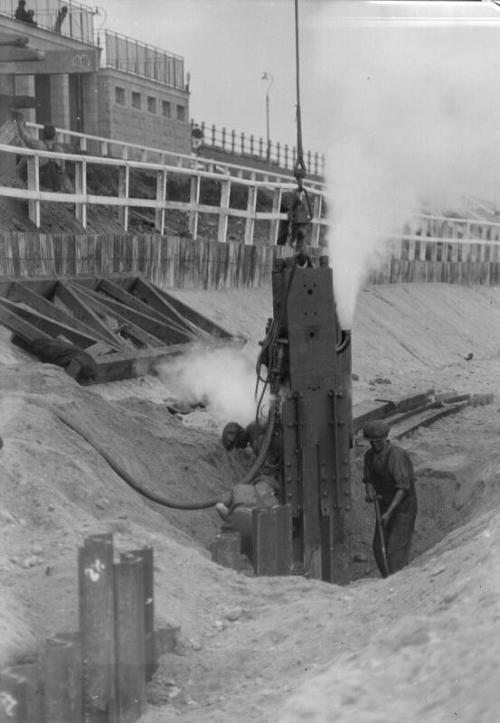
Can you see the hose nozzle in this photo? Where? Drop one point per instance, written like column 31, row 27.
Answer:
column 344, row 342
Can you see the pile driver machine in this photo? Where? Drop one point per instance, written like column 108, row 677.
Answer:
column 308, row 361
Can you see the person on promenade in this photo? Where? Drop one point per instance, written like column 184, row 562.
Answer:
column 52, row 170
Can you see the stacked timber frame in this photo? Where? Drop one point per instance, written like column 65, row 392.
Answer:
column 124, row 323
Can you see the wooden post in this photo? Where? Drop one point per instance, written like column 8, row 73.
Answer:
column 129, row 635
column 194, row 200
column 226, row 549
column 146, row 555
column 224, row 210
column 123, row 192
column 61, row 672
column 250, row 213
column 81, row 189
column 97, row 627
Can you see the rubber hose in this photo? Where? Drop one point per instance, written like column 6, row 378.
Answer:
column 344, row 341
column 264, row 448
column 115, row 466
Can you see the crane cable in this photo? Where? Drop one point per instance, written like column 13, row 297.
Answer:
column 300, row 169
column 301, row 211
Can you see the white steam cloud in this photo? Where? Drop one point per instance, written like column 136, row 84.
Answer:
column 412, row 118
column 223, row 379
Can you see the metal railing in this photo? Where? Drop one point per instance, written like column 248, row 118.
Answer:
column 147, row 61
column 274, row 153
column 77, row 24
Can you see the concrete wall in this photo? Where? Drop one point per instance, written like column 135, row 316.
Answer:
column 132, row 109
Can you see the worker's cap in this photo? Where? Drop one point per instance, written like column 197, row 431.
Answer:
column 49, row 131
column 230, row 434
column 376, row 429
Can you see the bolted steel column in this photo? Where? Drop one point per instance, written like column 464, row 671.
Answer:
column 146, row 555
column 13, row 691
column 97, row 629
column 226, row 549
column 28, row 670
column 129, row 633
column 272, row 540
column 61, row 671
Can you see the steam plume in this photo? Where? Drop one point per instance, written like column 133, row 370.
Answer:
column 223, row 379
column 412, row 126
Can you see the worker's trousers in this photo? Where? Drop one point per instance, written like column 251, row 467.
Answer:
column 398, row 534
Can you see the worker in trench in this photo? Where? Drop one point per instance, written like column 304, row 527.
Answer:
column 263, row 491
column 389, row 479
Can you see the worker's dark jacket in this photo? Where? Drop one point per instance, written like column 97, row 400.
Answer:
column 388, row 472
column 272, row 463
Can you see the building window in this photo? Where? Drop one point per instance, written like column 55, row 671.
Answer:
column 151, row 104
column 181, row 113
column 166, row 109
column 120, row 96
column 136, row 100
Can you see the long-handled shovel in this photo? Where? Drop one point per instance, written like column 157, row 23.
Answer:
column 380, row 528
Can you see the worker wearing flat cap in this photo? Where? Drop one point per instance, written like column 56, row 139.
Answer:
column 389, row 477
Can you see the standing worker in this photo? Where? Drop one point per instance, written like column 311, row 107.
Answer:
column 52, row 171
column 389, row 478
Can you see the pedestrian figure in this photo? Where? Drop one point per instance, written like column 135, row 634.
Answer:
column 21, row 13
column 61, row 16
column 389, row 478
column 51, row 169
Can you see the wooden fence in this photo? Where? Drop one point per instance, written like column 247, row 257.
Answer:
column 262, row 192
column 178, row 262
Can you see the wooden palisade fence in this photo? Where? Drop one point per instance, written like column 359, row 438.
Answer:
column 98, row 674
column 175, row 262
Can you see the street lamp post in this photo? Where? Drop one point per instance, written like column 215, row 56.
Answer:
column 269, row 77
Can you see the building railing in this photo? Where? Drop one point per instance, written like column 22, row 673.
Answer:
column 78, row 24
column 147, row 61
column 242, row 144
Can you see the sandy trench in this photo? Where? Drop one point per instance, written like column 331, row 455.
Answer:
column 422, row 646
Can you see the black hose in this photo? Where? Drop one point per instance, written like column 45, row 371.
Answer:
column 344, row 341
column 116, row 467
column 264, row 448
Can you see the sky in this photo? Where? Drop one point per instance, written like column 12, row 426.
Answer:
column 402, row 98
column 227, row 46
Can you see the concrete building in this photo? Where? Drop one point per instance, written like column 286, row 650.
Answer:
column 102, row 84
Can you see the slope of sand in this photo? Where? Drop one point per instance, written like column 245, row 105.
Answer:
column 421, row 646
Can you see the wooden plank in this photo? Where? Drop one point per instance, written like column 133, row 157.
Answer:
column 49, row 326
column 153, row 328
column 11, row 320
column 124, row 297
column 127, row 365
column 365, row 411
column 171, row 307
column 424, row 419
column 18, row 292
column 127, row 328
column 84, row 313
